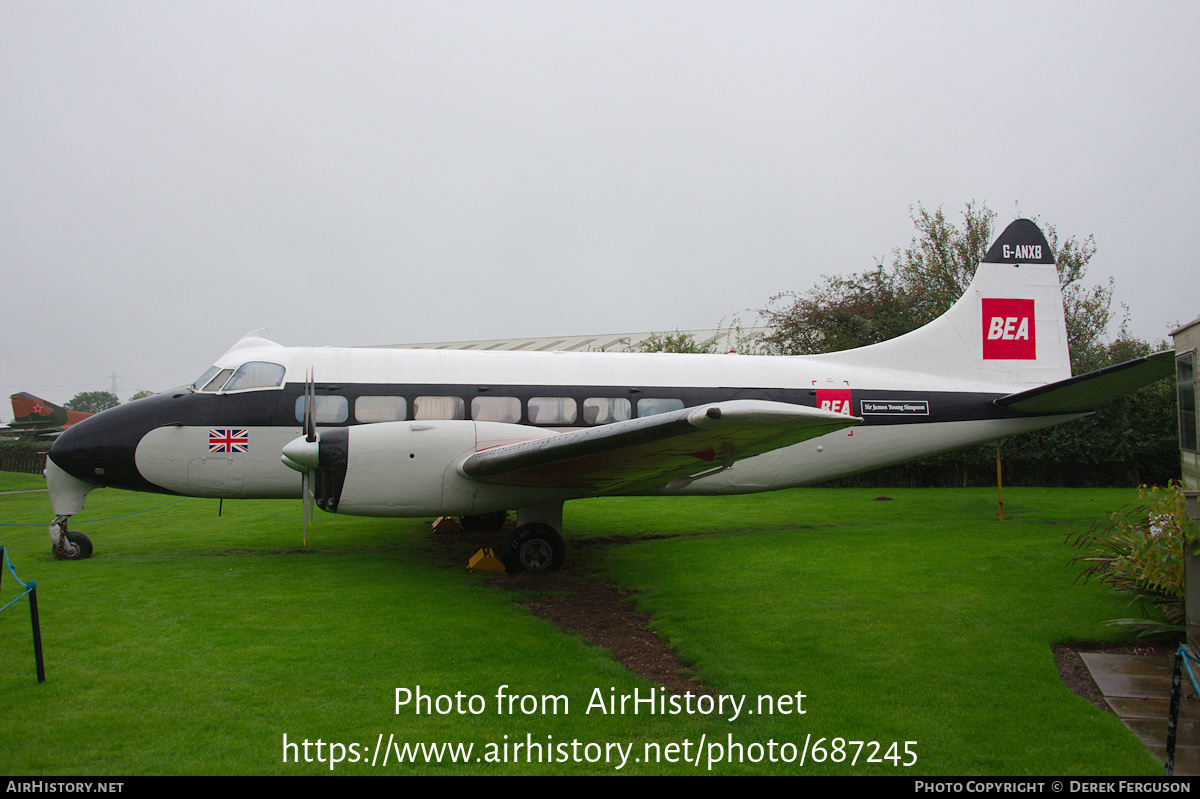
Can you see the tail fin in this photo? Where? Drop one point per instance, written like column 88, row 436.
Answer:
column 1006, row 332
column 35, row 413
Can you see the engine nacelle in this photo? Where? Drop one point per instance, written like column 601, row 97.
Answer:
column 411, row 469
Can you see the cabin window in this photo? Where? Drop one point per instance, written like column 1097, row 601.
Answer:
column 605, row 410
column 651, row 406
column 496, row 409
column 329, row 409
column 380, row 409
column 1185, row 379
column 438, row 408
column 256, row 374
column 552, row 410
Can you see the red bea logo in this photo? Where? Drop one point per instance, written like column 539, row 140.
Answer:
column 834, row 399
column 1008, row 330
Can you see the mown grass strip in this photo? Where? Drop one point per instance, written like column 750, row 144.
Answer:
column 192, row 643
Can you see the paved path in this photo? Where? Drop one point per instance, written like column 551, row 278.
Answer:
column 1138, row 689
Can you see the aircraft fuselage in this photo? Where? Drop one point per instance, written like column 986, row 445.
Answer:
column 227, row 443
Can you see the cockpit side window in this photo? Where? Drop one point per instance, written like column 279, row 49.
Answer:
column 216, row 382
column 204, row 379
column 256, row 374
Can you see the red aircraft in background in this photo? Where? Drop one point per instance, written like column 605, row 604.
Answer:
column 35, row 415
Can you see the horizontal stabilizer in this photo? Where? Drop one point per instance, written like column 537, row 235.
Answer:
column 1086, row 391
column 646, row 454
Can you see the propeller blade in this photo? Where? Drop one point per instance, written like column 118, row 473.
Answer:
column 306, row 488
column 310, row 412
column 310, row 436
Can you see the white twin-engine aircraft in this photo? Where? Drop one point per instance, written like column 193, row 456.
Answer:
column 419, row 432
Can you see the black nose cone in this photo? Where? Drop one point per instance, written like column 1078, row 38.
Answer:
column 101, row 449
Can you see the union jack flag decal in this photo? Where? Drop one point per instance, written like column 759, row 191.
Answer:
column 228, row 441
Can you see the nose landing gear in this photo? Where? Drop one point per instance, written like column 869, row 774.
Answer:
column 68, row 544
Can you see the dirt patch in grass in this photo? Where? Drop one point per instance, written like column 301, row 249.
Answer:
column 578, row 600
column 605, row 615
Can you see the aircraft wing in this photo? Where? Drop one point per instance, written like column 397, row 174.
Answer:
column 37, row 432
column 646, row 454
column 1085, row 392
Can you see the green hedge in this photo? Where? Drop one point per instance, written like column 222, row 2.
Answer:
column 28, row 456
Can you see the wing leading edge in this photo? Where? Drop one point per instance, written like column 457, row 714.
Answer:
column 650, row 453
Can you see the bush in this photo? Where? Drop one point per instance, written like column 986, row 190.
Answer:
column 1140, row 552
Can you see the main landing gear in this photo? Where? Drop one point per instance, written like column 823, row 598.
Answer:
column 534, row 548
column 535, row 545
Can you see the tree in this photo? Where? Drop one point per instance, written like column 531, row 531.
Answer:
column 936, row 268
column 674, row 342
column 732, row 336
column 841, row 313
column 92, row 401
column 142, row 395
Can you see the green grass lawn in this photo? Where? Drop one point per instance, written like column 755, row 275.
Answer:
column 192, row 643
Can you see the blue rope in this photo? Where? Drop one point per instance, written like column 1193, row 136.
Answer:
column 105, row 519
column 1183, row 650
column 27, row 586
column 8, row 561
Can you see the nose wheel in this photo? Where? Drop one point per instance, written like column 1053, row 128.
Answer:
column 70, row 544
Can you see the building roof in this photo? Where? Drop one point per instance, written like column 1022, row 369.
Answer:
column 718, row 339
column 1185, row 327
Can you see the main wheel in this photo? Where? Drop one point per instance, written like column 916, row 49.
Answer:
column 82, row 544
column 534, row 548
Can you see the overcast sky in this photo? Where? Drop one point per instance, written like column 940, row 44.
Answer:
column 173, row 175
